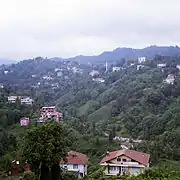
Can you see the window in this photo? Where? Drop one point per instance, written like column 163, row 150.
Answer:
column 112, row 168
column 124, row 169
column 118, row 159
column 75, row 166
column 124, row 160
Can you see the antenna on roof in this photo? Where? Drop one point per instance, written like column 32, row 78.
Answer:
column 106, row 66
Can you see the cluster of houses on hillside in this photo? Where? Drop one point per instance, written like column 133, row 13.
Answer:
column 116, row 163
column 46, row 114
column 25, row 100
column 129, row 162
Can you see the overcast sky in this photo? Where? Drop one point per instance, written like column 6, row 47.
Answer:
column 65, row 28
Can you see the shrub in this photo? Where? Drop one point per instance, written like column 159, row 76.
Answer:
column 29, row 176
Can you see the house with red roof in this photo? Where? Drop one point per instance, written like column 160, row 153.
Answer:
column 75, row 161
column 125, row 161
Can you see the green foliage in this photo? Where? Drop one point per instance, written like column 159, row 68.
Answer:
column 6, row 162
column 29, row 176
column 158, row 173
column 46, row 145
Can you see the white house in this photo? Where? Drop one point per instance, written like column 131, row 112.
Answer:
column 59, row 74
column 26, row 100
column 125, row 161
column 34, row 75
column 139, row 67
column 99, row 80
column 170, row 79
column 115, row 69
column 94, row 72
column 57, row 69
column 5, row 72
column 161, row 65
column 47, row 78
column 75, row 161
column 12, row 99
column 1, row 86
column 141, row 59
column 178, row 67
column 123, row 146
column 77, row 70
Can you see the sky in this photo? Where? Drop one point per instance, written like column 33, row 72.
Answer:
column 66, row 28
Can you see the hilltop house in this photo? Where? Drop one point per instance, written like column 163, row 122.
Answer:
column 24, row 99
column 161, row 65
column 50, row 112
column 125, row 161
column 48, row 78
column 170, row 79
column 75, row 161
column 115, row 69
column 77, row 70
column 99, row 80
column 94, row 73
column 139, row 67
column 178, row 67
column 141, row 59
column 24, row 121
column 12, row 99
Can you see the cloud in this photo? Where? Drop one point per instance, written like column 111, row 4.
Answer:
column 65, row 28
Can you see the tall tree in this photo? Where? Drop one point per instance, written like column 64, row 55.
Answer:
column 45, row 146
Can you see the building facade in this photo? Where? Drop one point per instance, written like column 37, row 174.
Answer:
column 25, row 100
column 25, row 121
column 76, row 162
column 50, row 112
column 125, row 161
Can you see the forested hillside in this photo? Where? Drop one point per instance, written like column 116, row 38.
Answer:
column 137, row 101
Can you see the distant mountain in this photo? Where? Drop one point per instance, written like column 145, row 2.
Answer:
column 7, row 62
column 127, row 53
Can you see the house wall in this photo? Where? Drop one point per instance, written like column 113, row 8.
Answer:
column 114, row 161
column 115, row 170
column 131, row 167
column 81, row 168
column 135, row 170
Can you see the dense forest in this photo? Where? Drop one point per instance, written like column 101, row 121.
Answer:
column 135, row 102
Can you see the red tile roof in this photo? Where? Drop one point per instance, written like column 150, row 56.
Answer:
column 75, row 158
column 140, row 157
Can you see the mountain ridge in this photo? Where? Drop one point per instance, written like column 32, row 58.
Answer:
column 127, row 53
column 117, row 54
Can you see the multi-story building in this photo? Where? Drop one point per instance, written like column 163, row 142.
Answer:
column 50, row 112
column 12, row 99
column 26, row 100
column 125, row 161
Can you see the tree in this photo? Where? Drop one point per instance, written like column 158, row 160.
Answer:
column 111, row 136
column 114, row 131
column 46, row 146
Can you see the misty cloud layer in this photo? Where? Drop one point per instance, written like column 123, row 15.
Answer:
column 65, row 28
